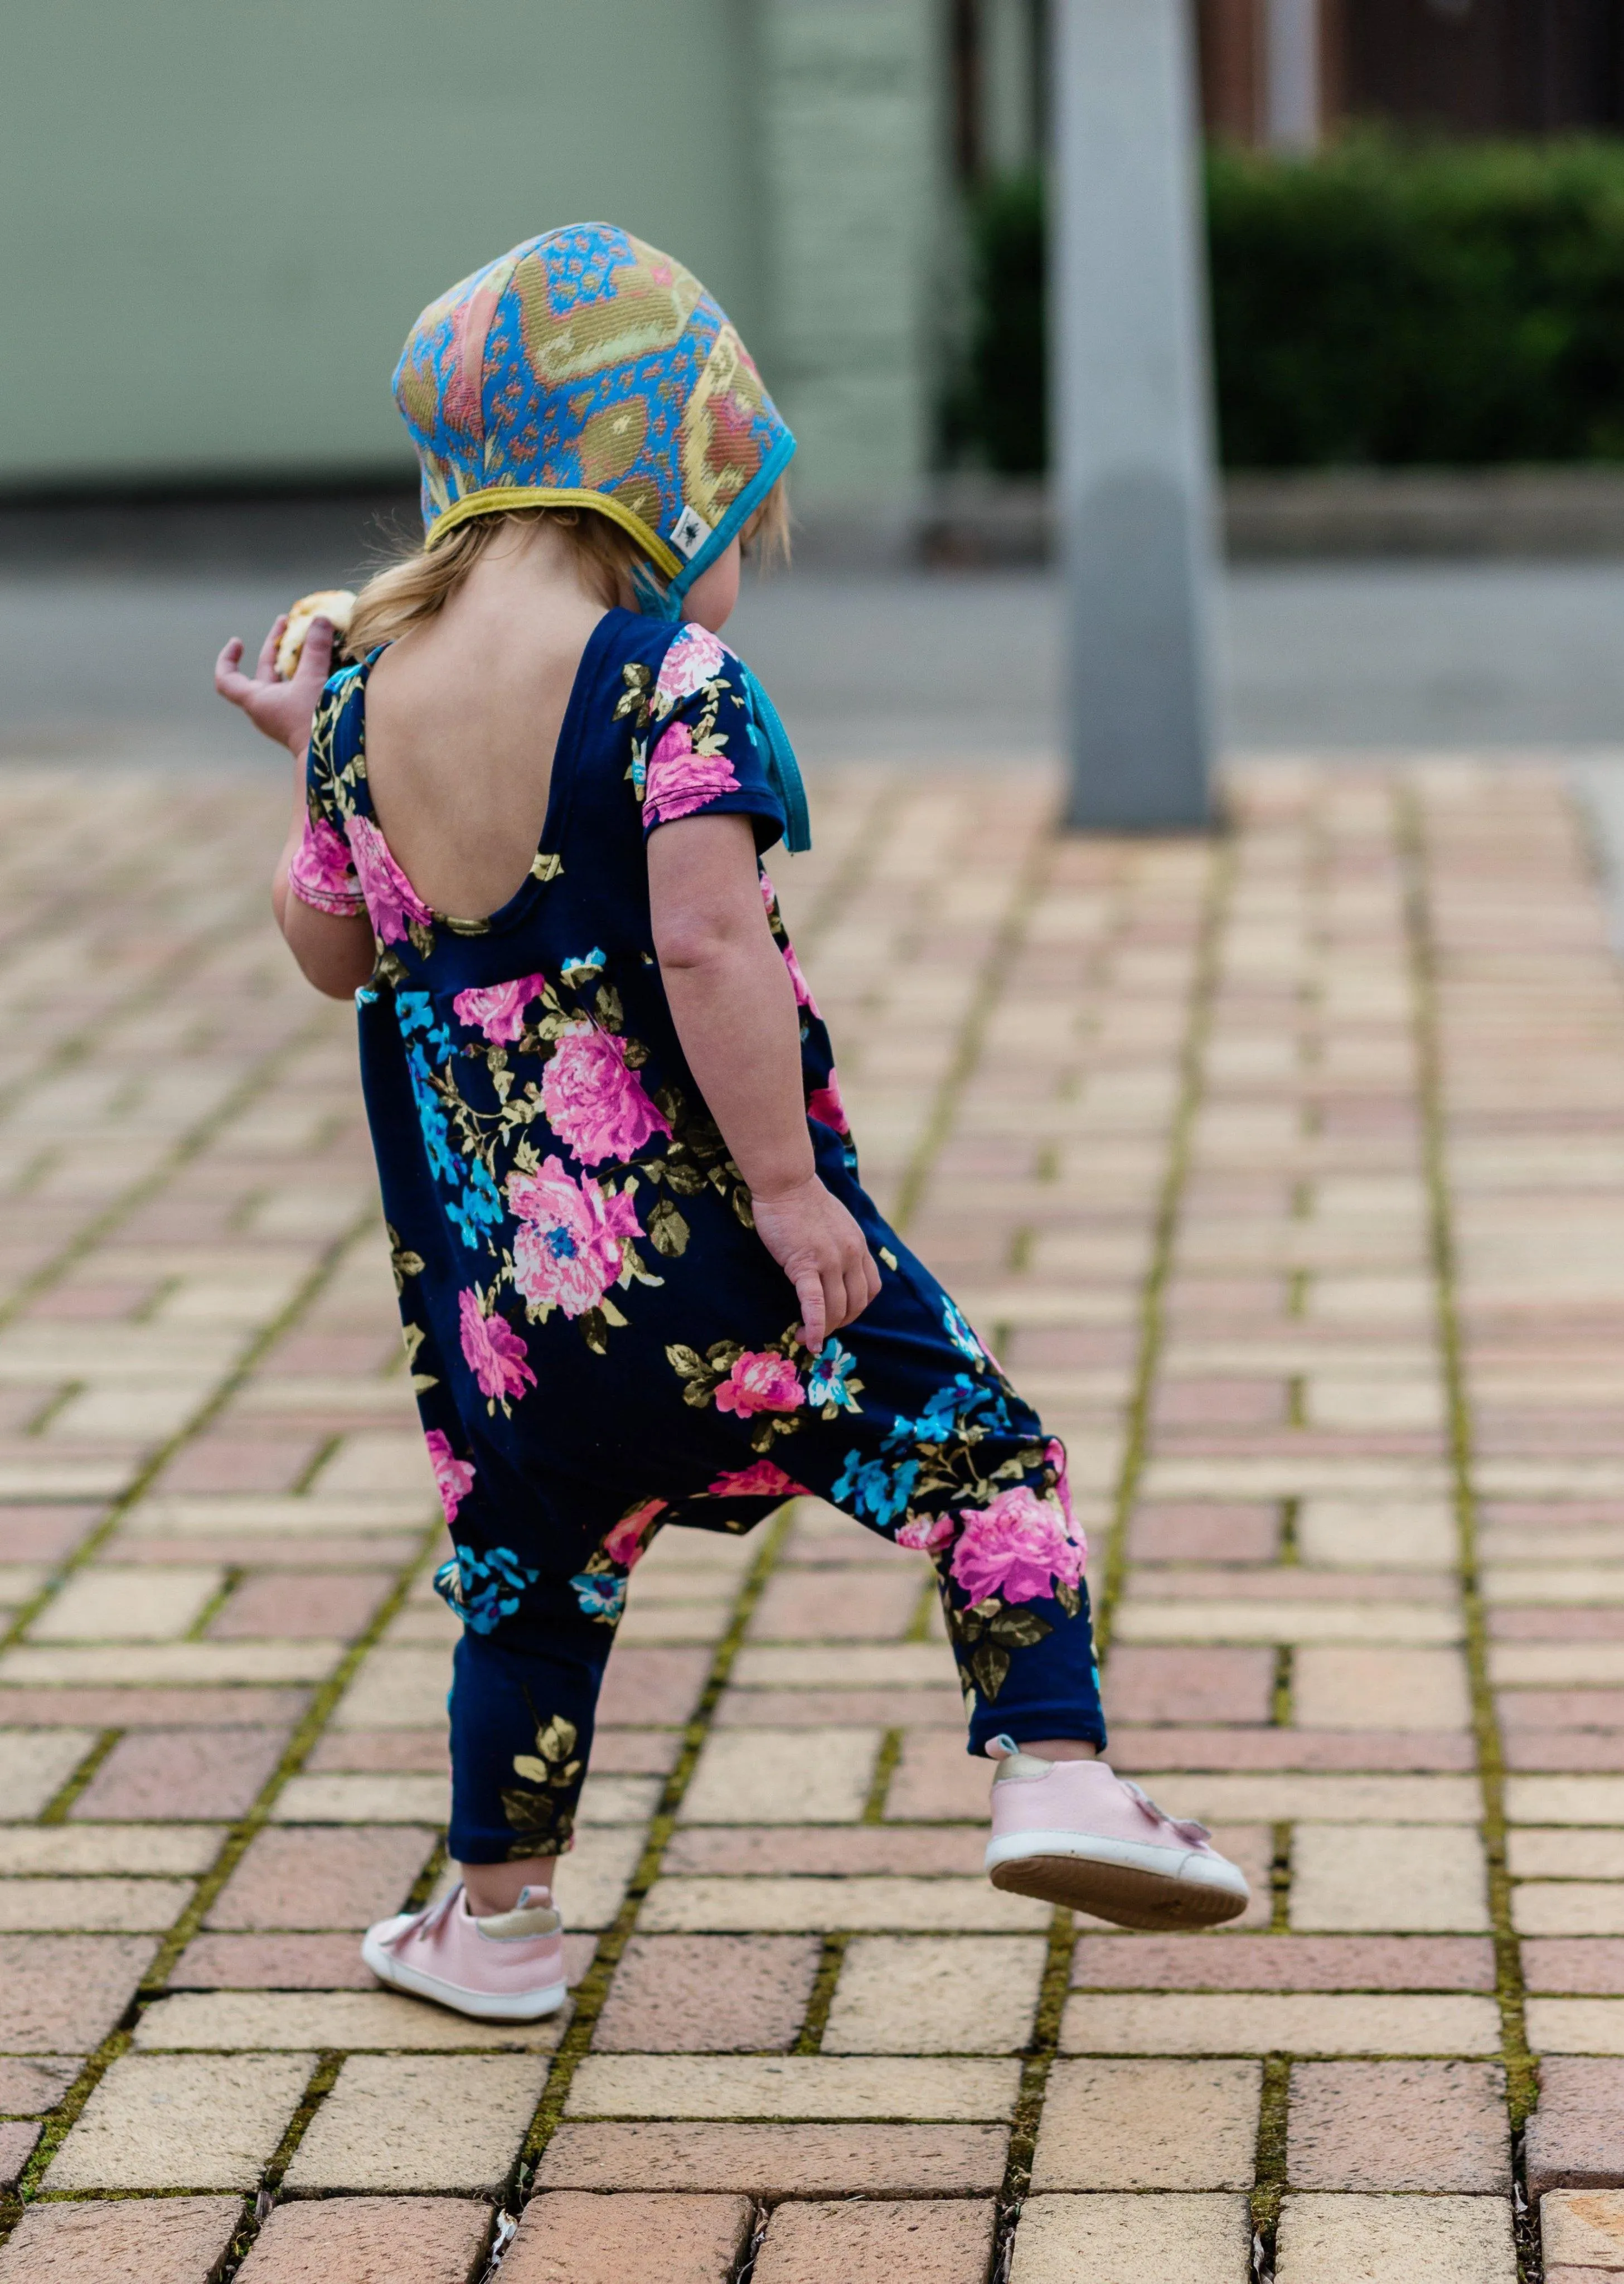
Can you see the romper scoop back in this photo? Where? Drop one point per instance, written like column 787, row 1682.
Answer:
column 600, row 1344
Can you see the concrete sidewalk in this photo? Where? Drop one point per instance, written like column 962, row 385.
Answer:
column 1286, row 1174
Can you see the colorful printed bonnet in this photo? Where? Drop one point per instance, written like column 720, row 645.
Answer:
column 585, row 369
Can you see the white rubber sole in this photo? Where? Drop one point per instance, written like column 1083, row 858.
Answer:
column 482, row 2006
column 1131, row 1883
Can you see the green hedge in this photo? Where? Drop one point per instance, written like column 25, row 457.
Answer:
column 1378, row 304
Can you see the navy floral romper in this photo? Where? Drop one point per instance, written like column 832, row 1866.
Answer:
column 600, row 1344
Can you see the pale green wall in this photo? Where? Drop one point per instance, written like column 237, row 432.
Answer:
column 221, row 219
column 854, row 159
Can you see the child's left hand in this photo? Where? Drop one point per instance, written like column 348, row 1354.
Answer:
column 281, row 710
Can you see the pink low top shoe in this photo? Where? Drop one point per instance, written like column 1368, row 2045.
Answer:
column 1075, row 1832
column 508, row 1968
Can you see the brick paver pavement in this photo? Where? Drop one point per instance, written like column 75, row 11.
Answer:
column 1286, row 1174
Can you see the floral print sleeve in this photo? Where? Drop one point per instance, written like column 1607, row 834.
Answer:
column 696, row 747
column 322, row 872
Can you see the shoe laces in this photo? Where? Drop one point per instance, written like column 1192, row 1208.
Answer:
column 1188, row 1830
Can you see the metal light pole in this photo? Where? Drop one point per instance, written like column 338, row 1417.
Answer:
column 1131, row 422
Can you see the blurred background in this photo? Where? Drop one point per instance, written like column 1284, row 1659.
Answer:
column 221, row 224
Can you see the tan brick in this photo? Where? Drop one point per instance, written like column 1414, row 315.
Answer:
column 1399, row 1878
column 116, row 1906
column 776, row 1906
column 890, row 1665
column 450, row 2124
column 1556, row 1664
column 650, row 1623
column 1576, row 2026
column 592, row 1880
column 397, row 1688
column 110, row 1601
column 371, row 2241
column 181, row 2122
column 1375, row 2240
column 1128, row 2240
column 225, row 2021
column 782, row 1776
column 144, row 1666
column 1574, row 1854
column 1370, row 1534
column 570, row 2236
column 1584, row 2229
column 1568, row 1907
column 1344, row 1688
column 618, row 1799
column 1565, row 1800
column 35, row 1763
column 379, row 1462
column 875, row 2243
column 790, row 2085
column 1149, row 2125
column 919, row 1995
column 1196, row 2022
column 1408, row 1622
column 361, row 1799
column 779, row 2161
column 179, row 2239
column 1282, row 1796
column 108, row 1849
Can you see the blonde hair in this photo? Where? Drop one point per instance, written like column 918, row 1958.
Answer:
column 767, row 532
column 406, row 594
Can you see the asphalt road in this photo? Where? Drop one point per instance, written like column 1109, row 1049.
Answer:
column 112, row 662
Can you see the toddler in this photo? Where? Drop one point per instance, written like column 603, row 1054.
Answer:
column 641, row 1283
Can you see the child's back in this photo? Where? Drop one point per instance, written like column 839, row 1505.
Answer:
column 463, row 718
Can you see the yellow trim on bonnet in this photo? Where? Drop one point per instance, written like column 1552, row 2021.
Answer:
column 497, row 499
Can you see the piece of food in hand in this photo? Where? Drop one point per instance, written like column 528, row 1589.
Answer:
column 334, row 603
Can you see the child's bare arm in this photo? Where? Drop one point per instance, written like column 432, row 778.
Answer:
column 734, row 1008
column 335, row 951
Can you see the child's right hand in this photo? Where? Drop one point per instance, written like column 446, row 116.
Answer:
column 823, row 1253
column 280, row 710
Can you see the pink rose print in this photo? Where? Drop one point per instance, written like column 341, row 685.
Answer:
column 453, row 1476
column 825, row 1105
column 765, row 1480
column 390, row 897
column 761, row 1382
column 803, row 989
column 628, row 1542
column 321, row 874
column 570, row 1244
column 499, row 1008
column 694, row 659
column 493, row 1352
column 679, row 781
column 1014, row 1547
column 925, row 1533
column 595, row 1106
